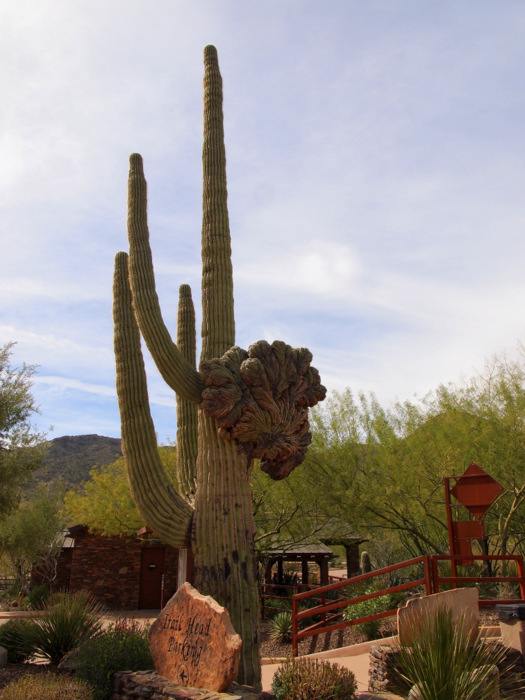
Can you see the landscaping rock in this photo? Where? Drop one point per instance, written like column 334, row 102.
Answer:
column 193, row 642
column 462, row 602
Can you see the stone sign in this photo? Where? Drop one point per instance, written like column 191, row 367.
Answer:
column 193, row 642
column 463, row 602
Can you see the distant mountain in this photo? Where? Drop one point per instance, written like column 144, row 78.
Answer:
column 73, row 456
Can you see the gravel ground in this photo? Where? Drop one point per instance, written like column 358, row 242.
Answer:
column 340, row 638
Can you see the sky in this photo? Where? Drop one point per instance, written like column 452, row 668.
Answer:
column 375, row 164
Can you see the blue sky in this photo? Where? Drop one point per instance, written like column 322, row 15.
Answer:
column 376, row 169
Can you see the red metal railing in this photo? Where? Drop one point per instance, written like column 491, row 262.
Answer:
column 437, row 579
column 331, row 611
column 270, row 592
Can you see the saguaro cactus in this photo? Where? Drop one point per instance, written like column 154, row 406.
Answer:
column 250, row 404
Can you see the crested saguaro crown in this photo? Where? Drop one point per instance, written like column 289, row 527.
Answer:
column 239, row 406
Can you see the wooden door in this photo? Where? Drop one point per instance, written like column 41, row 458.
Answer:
column 151, row 577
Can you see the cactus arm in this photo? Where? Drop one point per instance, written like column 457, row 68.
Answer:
column 176, row 371
column 163, row 509
column 218, row 325
column 186, row 410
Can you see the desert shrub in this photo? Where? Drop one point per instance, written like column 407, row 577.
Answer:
column 372, row 606
column 63, row 624
column 311, row 679
column 445, row 665
column 281, row 627
column 13, row 639
column 47, row 687
column 273, row 606
column 121, row 647
column 38, row 596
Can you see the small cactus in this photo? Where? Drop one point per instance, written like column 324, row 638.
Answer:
column 366, row 564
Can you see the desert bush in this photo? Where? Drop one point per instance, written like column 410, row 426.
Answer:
column 47, row 686
column 13, row 639
column 281, row 627
column 311, row 679
column 445, row 665
column 372, row 606
column 121, row 647
column 65, row 622
column 38, row 596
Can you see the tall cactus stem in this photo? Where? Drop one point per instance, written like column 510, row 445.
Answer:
column 175, row 370
column 165, row 511
column 186, row 410
column 218, row 325
column 223, row 539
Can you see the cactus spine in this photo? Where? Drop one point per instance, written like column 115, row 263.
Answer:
column 249, row 403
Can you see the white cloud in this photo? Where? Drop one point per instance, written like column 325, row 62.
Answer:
column 374, row 173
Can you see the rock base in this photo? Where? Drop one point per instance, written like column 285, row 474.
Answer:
column 130, row 685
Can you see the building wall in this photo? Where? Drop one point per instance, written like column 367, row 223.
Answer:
column 63, row 577
column 109, row 568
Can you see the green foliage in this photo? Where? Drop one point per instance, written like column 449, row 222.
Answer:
column 383, row 467
column 275, row 605
column 372, row 606
column 310, row 679
column 71, row 457
column 104, row 502
column 13, row 639
column 444, row 665
column 281, row 627
column 20, row 446
column 65, row 622
column 38, row 596
column 31, row 537
column 123, row 646
column 47, row 686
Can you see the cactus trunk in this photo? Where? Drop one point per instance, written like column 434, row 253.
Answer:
column 223, row 539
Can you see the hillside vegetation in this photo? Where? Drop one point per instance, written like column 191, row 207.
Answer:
column 71, row 458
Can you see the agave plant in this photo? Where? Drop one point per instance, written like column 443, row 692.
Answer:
column 62, row 625
column 441, row 663
column 281, row 627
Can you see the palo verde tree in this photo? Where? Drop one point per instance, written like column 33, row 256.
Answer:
column 250, row 404
column 21, row 447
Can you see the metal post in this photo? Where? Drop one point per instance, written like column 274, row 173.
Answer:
column 451, row 540
column 521, row 574
column 294, row 626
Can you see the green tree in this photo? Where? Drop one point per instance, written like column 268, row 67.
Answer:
column 31, row 537
column 104, row 503
column 21, row 447
column 382, row 468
